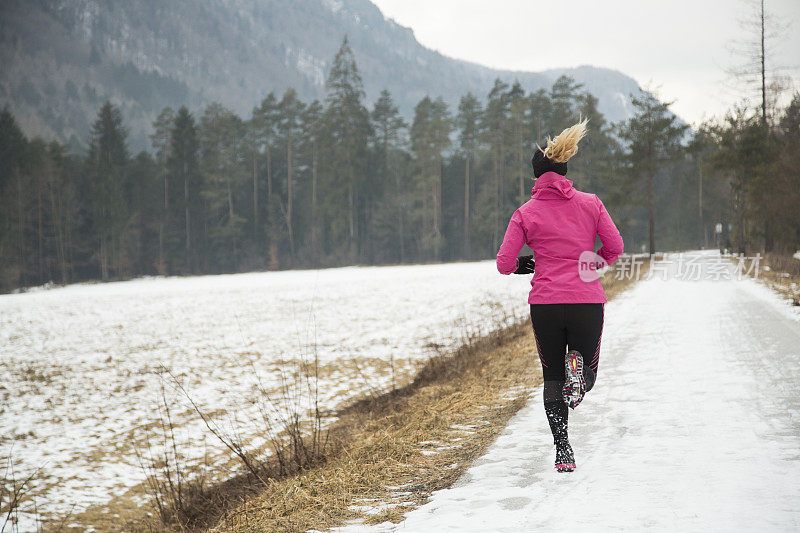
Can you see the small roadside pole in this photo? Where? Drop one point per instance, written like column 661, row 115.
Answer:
column 718, row 231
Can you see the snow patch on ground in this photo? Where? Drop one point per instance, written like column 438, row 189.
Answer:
column 81, row 366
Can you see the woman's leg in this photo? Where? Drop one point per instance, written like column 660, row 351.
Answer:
column 551, row 343
column 584, row 330
column 549, row 330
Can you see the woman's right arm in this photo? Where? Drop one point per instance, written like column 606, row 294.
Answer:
column 609, row 235
column 513, row 241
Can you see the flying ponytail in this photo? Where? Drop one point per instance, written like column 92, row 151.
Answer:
column 560, row 149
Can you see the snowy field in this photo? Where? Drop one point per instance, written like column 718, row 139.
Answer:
column 81, row 366
column 693, row 425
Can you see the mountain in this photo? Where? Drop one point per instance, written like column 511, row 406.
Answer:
column 61, row 59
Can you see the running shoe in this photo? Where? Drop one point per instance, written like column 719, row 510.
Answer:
column 574, row 384
column 565, row 459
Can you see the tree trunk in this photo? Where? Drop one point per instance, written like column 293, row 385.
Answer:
column 103, row 258
column 289, row 168
column 651, row 211
column 188, row 220
column 163, row 228
column 269, row 175
column 255, row 196
column 520, row 163
column 703, row 239
column 466, row 251
column 20, row 232
column 350, row 214
column 230, row 198
column 314, row 214
column 496, row 210
column 437, row 204
column 763, row 72
column 39, row 233
column 141, row 229
column 678, row 208
column 740, row 214
column 57, row 221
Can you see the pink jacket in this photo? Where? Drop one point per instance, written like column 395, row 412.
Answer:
column 559, row 223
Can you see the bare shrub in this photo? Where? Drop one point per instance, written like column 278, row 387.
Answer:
column 12, row 496
column 783, row 263
column 173, row 486
column 291, row 421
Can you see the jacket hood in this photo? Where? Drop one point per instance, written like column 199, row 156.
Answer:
column 552, row 186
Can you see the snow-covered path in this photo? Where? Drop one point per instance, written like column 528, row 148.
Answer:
column 694, row 424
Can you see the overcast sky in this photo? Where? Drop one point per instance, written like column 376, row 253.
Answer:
column 680, row 47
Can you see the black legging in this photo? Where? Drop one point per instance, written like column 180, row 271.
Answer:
column 558, row 327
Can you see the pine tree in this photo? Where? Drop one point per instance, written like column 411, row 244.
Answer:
column 12, row 212
column 144, row 198
column 224, row 170
column 539, row 115
column 62, row 197
column 290, row 111
column 595, row 164
column 564, row 98
column 787, row 174
column 160, row 140
column 347, row 133
column 184, row 169
column 653, row 136
column 515, row 139
column 311, row 123
column 430, row 137
column 494, row 127
column 263, row 127
column 388, row 126
column 468, row 123
column 108, row 157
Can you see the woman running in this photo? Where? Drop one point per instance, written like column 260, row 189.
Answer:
column 560, row 224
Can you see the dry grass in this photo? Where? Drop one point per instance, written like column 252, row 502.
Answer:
column 417, row 440
column 781, row 272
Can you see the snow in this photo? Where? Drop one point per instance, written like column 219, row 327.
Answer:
column 694, row 424
column 80, row 366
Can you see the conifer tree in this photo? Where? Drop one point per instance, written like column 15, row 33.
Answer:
column 311, row 123
column 160, row 140
column 494, row 127
column 223, row 167
column 290, row 111
column 184, row 169
column 108, row 157
column 388, row 126
column 469, row 132
column 430, row 137
column 347, row 133
column 653, row 136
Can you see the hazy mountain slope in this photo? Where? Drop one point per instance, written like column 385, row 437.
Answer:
column 62, row 58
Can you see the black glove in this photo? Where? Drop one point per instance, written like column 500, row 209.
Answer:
column 525, row 265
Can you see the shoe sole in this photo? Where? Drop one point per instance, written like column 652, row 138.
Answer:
column 574, row 385
column 565, row 467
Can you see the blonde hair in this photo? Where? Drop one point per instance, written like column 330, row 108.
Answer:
column 565, row 145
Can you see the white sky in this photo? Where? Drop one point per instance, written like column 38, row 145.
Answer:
column 680, row 47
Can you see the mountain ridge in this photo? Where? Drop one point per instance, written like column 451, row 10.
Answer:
column 63, row 58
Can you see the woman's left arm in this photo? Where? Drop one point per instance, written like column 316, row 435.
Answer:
column 609, row 235
column 513, row 241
